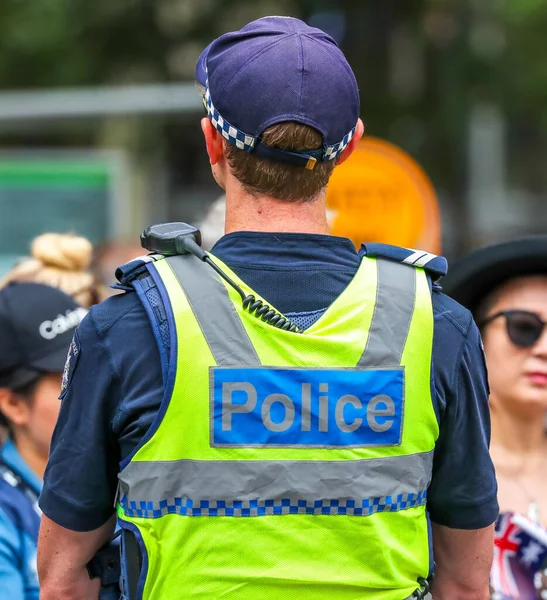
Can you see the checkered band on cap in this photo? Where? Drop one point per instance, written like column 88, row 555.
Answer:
column 247, row 142
column 232, row 134
column 332, row 152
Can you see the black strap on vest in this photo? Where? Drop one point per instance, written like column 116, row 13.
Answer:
column 133, row 563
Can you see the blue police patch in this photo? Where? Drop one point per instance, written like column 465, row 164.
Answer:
column 295, row 407
column 70, row 364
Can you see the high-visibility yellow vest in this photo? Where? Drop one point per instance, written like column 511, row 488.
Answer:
column 288, row 465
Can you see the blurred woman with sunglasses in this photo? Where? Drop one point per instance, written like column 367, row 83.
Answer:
column 505, row 286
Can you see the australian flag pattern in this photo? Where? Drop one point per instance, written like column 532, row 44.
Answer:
column 520, row 555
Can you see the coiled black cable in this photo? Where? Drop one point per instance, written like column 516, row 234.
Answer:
column 255, row 307
column 268, row 314
column 184, row 239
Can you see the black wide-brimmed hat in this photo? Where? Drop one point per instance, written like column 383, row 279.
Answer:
column 471, row 278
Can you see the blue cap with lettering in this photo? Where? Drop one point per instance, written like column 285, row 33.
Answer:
column 278, row 69
column 37, row 323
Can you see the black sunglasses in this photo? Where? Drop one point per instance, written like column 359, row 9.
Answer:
column 524, row 328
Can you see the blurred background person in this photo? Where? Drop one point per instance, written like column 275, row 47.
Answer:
column 505, row 286
column 212, row 224
column 61, row 260
column 37, row 323
column 109, row 256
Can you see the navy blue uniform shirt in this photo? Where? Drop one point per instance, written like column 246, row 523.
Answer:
column 116, row 385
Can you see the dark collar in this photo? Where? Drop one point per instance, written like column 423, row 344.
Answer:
column 298, row 249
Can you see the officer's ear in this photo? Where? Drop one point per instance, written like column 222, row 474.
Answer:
column 348, row 151
column 14, row 407
column 213, row 141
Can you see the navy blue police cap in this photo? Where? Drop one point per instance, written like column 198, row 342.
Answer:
column 278, row 69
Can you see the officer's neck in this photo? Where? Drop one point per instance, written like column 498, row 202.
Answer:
column 246, row 212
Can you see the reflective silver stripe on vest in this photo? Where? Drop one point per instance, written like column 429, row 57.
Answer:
column 395, row 300
column 215, row 312
column 363, row 486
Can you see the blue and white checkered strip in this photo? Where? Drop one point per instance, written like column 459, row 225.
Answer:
column 232, row 134
column 333, row 152
column 261, row 508
column 247, row 142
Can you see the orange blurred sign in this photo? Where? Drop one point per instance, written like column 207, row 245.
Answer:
column 381, row 194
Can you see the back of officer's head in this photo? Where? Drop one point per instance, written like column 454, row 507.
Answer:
column 37, row 323
column 278, row 83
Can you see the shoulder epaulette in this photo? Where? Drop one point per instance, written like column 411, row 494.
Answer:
column 436, row 266
column 127, row 273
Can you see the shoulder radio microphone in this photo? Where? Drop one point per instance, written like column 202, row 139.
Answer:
column 172, row 239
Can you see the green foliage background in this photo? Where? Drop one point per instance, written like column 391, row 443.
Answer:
column 469, row 50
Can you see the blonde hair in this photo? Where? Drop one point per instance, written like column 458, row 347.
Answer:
column 62, row 261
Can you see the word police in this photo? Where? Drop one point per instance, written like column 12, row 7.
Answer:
column 379, row 406
column 317, row 407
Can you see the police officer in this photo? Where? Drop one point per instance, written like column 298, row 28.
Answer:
column 36, row 326
column 264, row 452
